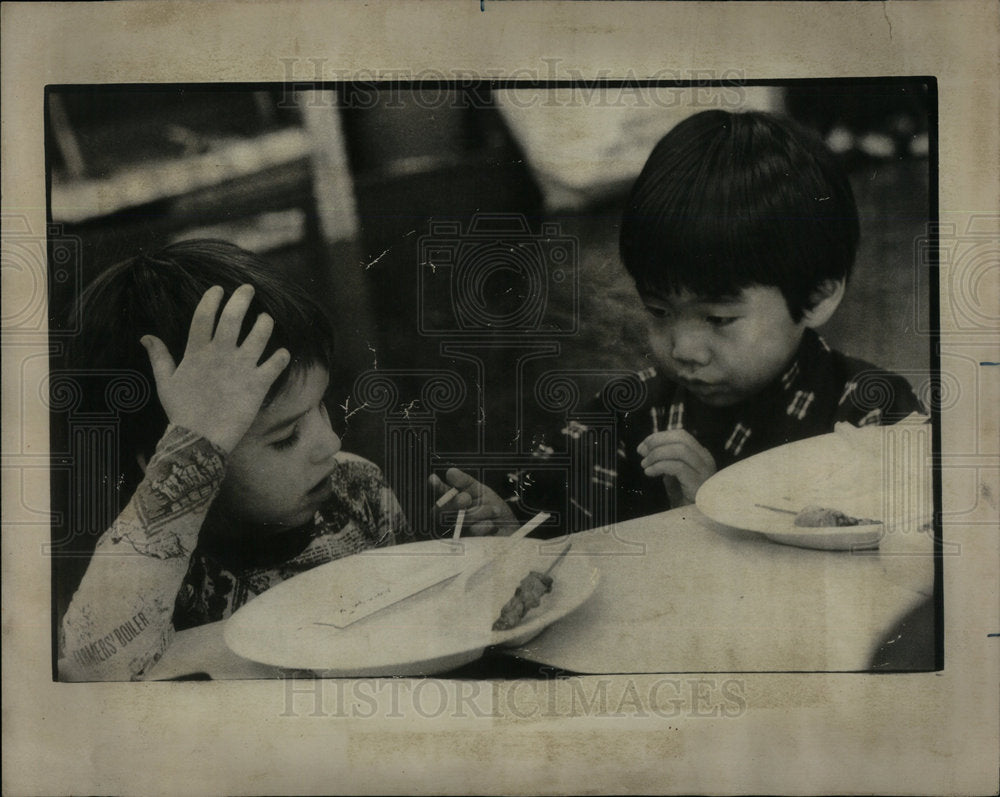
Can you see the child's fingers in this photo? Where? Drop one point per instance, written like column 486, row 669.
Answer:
column 671, row 452
column 682, row 470
column 436, row 484
column 203, row 321
column 258, row 336
column 231, row 320
column 272, row 367
column 654, row 465
column 481, row 512
column 442, row 486
column 463, row 481
column 506, row 528
column 668, row 436
column 443, row 492
column 481, row 529
column 459, row 490
column 676, row 443
column 159, row 359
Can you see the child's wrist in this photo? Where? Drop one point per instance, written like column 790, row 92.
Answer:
column 186, row 455
column 179, row 436
column 223, row 439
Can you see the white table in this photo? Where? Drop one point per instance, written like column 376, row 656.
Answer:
column 680, row 593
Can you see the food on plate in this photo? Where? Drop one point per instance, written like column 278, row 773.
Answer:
column 527, row 596
column 821, row 517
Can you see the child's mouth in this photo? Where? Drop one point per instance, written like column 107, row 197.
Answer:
column 699, row 385
column 704, row 390
column 320, row 487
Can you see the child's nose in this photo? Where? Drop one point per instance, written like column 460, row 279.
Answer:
column 689, row 347
column 327, row 444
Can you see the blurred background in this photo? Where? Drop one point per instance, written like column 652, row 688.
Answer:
column 376, row 196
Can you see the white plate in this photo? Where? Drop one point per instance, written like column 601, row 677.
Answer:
column 854, row 472
column 438, row 629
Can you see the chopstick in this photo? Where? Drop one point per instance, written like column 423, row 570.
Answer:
column 530, row 526
column 444, row 499
column 477, row 566
column 558, row 559
column 460, row 519
column 524, row 531
column 777, row 509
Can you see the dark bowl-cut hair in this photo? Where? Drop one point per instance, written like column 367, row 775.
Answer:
column 730, row 200
column 157, row 293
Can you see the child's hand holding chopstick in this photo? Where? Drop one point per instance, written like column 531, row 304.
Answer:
column 484, row 511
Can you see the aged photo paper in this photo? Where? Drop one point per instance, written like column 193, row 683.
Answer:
column 576, row 96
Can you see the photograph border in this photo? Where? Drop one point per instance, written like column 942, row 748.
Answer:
column 711, row 85
column 915, row 734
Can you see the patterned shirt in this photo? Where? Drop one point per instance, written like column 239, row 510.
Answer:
column 605, row 482
column 162, row 566
column 361, row 513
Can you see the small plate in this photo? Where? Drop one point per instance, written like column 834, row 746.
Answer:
column 437, row 629
column 848, row 471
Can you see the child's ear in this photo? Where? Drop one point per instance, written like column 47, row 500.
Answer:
column 826, row 300
column 140, row 459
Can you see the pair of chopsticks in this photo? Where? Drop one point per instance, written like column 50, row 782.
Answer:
column 524, row 531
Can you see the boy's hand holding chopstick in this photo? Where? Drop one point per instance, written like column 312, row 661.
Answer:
column 683, row 463
column 484, row 511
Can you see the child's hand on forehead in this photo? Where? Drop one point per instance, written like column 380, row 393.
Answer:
column 218, row 387
column 682, row 461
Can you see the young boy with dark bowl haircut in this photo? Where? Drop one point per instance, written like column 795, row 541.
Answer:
column 740, row 234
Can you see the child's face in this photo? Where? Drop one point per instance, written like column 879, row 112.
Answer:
column 723, row 350
column 278, row 473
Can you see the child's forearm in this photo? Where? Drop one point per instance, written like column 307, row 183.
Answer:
column 120, row 619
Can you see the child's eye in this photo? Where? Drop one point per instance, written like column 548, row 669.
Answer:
column 287, row 442
column 656, row 312
column 720, row 320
